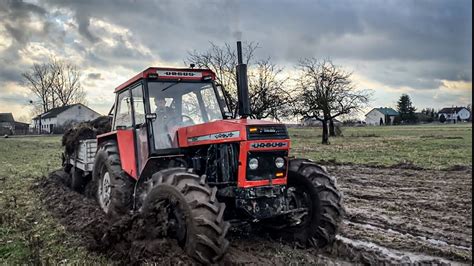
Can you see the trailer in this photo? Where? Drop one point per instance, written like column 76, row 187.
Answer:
column 81, row 163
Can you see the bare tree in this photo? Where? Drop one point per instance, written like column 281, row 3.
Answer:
column 266, row 87
column 326, row 92
column 54, row 84
column 267, row 91
column 40, row 82
column 67, row 86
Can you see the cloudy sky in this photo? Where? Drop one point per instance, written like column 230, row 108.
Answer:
column 423, row 48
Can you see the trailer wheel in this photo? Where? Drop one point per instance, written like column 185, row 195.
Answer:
column 311, row 187
column 78, row 180
column 114, row 188
column 186, row 209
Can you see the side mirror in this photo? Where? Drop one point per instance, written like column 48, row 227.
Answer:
column 150, row 116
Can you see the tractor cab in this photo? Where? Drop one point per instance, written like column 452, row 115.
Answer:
column 166, row 99
column 181, row 113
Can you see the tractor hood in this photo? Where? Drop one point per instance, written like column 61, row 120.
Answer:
column 231, row 130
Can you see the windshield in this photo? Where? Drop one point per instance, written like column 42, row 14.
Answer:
column 179, row 104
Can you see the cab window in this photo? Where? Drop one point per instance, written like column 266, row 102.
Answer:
column 138, row 106
column 123, row 117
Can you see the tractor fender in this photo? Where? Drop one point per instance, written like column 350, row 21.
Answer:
column 126, row 147
column 106, row 136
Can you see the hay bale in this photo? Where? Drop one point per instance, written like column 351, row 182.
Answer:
column 84, row 130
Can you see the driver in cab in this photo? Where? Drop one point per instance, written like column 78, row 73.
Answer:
column 166, row 119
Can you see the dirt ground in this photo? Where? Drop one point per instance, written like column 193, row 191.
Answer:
column 395, row 215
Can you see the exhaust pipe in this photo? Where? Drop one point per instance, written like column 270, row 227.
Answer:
column 242, row 85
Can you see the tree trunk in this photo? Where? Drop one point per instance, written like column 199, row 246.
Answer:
column 325, row 132
column 332, row 131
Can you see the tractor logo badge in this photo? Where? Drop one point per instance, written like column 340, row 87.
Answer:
column 260, row 145
column 223, row 135
column 171, row 73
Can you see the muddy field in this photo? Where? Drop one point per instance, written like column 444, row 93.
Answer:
column 395, row 215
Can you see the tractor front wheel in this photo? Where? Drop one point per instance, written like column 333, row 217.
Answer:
column 114, row 188
column 181, row 205
column 311, row 188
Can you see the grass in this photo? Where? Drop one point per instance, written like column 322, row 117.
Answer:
column 29, row 234
column 428, row 146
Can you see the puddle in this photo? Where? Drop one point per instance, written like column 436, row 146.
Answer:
column 428, row 240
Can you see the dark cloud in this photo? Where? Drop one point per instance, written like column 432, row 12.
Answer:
column 94, row 76
column 15, row 18
column 289, row 30
column 397, row 43
column 84, row 22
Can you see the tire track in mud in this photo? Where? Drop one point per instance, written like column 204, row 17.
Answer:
column 425, row 214
column 374, row 232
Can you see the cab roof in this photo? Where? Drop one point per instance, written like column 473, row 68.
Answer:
column 169, row 73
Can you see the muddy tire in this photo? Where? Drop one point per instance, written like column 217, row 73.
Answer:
column 65, row 163
column 78, row 180
column 114, row 188
column 191, row 212
column 67, row 168
column 313, row 184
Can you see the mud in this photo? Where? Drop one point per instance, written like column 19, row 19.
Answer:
column 123, row 241
column 419, row 213
column 396, row 215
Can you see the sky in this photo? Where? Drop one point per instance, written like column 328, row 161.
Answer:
column 421, row 48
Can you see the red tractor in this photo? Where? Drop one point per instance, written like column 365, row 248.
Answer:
column 176, row 150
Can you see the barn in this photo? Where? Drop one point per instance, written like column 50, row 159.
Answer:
column 8, row 125
column 381, row 116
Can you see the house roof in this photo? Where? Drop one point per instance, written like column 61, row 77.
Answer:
column 451, row 110
column 386, row 111
column 21, row 124
column 56, row 111
column 6, row 117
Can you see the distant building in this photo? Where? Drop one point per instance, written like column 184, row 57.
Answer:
column 385, row 115
column 9, row 126
column 455, row 113
column 55, row 119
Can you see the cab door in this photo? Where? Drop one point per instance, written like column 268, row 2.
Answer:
column 124, row 127
column 139, row 125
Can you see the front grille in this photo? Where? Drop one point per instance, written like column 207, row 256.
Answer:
column 266, row 165
column 267, row 132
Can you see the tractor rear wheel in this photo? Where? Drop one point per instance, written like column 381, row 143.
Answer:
column 311, row 187
column 114, row 188
column 188, row 211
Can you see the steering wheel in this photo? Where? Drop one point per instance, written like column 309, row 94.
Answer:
column 190, row 120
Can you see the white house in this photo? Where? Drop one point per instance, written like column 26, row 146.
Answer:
column 455, row 113
column 60, row 116
column 385, row 115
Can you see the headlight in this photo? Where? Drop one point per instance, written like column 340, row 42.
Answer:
column 279, row 162
column 253, row 164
